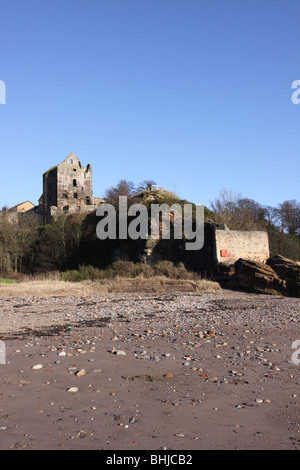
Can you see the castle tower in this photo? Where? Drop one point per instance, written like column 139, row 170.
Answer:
column 67, row 188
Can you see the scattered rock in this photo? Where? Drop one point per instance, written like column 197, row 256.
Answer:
column 289, row 271
column 258, row 277
column 120, row 353
column 279, row 276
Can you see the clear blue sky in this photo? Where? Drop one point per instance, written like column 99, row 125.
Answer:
column 194, row 94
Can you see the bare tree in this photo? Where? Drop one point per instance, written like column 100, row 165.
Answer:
column 123, row 188
column 237, row 212
column 288, row 213
column 17, row 233
column 271, row 214
column 145, row 186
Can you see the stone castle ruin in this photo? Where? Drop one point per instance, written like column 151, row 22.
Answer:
column 68, row 189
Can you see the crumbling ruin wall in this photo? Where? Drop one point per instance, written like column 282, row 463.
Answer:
column 230, row 245
column 67, row 188
column 74, row 185
column 49, row 192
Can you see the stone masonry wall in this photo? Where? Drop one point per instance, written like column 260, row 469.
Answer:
column 74, row 184
column 67, row 188
column 49, row 192
column 231, row 245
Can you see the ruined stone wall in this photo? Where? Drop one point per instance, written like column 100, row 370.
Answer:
column 231, row 245
column 72, row 210
column 49, row 192
column 74, row 185
column 67, row 188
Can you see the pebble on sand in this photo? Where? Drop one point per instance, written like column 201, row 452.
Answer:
column 121, row 353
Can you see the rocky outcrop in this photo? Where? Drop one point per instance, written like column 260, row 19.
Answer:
column 278, row 276
column 289, row 271
column 258, row 277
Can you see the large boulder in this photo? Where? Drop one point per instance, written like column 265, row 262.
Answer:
column 258, row 277
column 289, row 271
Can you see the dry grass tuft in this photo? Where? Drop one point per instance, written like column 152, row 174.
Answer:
column 56, row 288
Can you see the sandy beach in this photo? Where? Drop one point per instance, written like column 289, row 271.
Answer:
column 147, row 371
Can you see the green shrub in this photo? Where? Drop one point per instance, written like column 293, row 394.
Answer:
column 128, row 269
column 83, row 273
column 8, row 281
column 170, row 270
column 124, row 269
